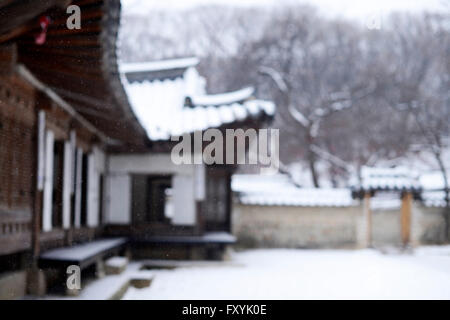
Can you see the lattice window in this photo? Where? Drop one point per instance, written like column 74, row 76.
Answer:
column 16, row 151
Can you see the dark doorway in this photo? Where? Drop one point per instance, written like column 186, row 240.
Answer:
column 151, row 199
column 100, row 199
column 159, row 191
column 84, row 189
column 58, row 174
column 74, row 188
column 218, row 200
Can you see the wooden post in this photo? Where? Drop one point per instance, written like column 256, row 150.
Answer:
column 368, row 214
column 406, row 217
column 38, row 169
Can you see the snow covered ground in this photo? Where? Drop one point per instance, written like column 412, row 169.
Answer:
column 308, row 274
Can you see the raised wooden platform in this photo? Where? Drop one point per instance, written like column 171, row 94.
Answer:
column 212, row 238
column 15, row 232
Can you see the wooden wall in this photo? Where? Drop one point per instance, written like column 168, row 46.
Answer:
column 21, row 204
column 17, row 174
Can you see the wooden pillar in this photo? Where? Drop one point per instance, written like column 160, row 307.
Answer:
column 47, row 203
column 38, row 185
column 406, row 217
column 368, row 215
column 37, row 209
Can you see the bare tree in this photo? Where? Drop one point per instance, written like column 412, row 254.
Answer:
column 311, row 64
column 347, row 96
column 421, row 84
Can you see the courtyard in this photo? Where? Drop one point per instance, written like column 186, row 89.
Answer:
column 306, row 274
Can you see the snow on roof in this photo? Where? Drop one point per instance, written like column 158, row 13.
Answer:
column 432, row 180
column 399, row 178
column 161, row 65
column 433, row 185
column 224, row 98
column 160, row 105
column 433, row 198
column 278, row 190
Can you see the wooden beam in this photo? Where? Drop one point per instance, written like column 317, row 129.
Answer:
column 25, row 22
column 406, row 217
column 79, row 54
column 27, row 75
column 21, row 12
column 14, row 33
column 4, row 3
column 70, row 72
column 368, row 215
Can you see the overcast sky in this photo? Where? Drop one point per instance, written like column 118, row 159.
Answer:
column 348, row 8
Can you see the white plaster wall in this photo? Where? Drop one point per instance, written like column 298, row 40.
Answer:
column 184, row 200
column 147, row 164
column 119, row 198
column 186, row 188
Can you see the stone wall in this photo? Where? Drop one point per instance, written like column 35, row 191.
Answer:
column 386, row 227
column 428, row 225
column 328, row 227
column 295, row 227
column 13, row 285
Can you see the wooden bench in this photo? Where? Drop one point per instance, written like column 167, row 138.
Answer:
column 82, row 255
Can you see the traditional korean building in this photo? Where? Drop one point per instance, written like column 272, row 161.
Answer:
column 177, row 211
column 82, row 177
column 62, row 106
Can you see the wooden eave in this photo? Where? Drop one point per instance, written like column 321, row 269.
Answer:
column 79, row 65
column 165, row 146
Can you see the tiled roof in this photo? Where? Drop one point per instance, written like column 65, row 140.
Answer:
column 159, row 103
column 151, row 66
column 433, row 185
column 385, row 179
column 278, row 190
column 433, row 198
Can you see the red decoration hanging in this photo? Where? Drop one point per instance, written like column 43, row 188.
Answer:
column 44, row 23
